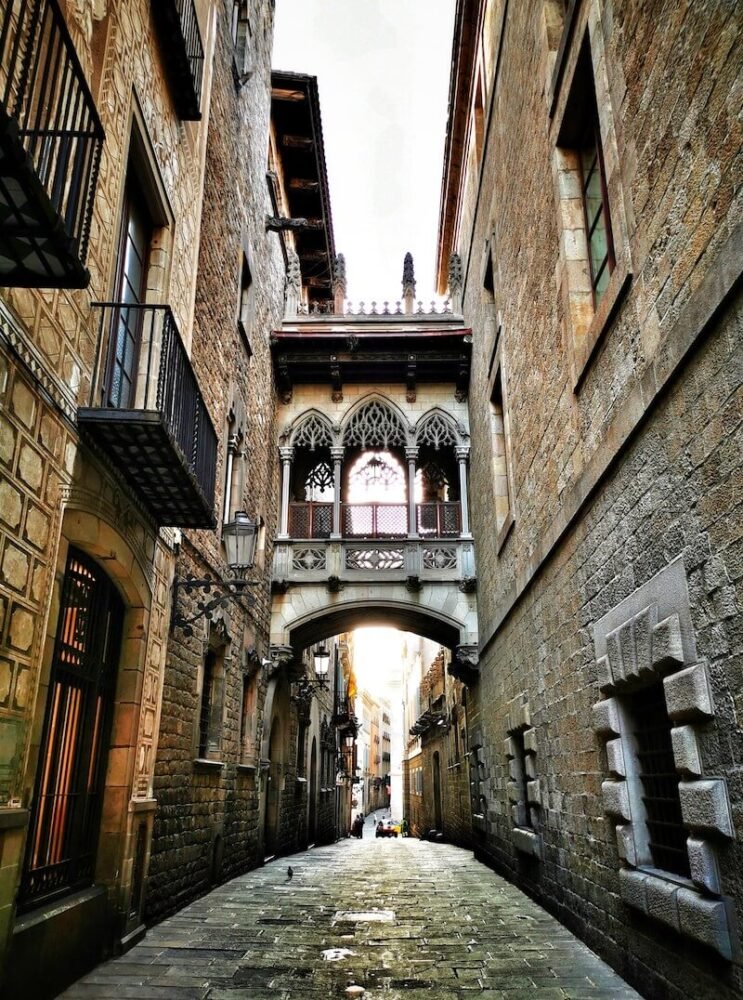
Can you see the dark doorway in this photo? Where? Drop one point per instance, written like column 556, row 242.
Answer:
column 312, row 803
column 68, row 799
column 437, row 813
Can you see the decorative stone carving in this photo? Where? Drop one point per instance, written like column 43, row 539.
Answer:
column 465, row 664
column 293, row 292
column 437, row 430
column 312, row 432
column 647, row 635
column 455, row 282
column 408, row 284
column 339, row 283
column 375, row 425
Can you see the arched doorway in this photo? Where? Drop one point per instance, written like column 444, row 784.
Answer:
column 312, row 801
column 437, row 811
column 273, row 789
column 61, row 848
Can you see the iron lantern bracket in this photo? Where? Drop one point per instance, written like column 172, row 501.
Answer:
column 215, row 594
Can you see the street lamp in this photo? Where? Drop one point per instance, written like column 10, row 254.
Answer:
column 321, row 657
column 239, row 537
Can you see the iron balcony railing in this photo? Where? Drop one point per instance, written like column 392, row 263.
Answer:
column 46, row 97
column 312, row 519
column 148, row 371
column 184, row 53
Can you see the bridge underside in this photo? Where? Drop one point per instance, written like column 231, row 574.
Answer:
column 449, row 630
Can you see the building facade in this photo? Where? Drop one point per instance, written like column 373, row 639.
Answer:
column 592, row 192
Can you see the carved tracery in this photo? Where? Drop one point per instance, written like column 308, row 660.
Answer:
column 375, row 425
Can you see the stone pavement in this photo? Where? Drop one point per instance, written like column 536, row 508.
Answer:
column 360, row 919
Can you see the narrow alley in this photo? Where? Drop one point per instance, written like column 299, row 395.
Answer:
column 360, row 918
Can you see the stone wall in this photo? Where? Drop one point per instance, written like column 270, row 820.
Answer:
column 209, row 824
column 58, row 493
column 623, row 444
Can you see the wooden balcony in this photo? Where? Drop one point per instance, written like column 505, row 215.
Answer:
column 50, row 149
column 157, row 431
column 183, row 52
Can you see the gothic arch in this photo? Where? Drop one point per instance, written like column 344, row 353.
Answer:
column 375, row 422
column 438, row 429
column 311, row 430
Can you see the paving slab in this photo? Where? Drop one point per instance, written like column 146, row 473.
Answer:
column 360, row 920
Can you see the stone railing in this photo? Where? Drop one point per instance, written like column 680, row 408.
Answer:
column 403, row 560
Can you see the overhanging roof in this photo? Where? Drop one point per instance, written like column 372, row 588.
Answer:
column 295, row 113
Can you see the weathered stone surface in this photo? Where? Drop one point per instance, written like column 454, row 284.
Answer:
column 705, row 806
column 362, row 912
column 688, row 694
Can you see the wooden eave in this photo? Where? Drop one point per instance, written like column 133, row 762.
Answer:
column 295, row 113
column 464, row 54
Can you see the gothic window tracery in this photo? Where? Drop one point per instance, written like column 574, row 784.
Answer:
column 375, row 425
column 319, row 484
column 313, row 433
column 437, row 432
column 377, row 476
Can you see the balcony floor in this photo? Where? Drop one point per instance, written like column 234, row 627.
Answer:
column 36, row 251
column 139, row 445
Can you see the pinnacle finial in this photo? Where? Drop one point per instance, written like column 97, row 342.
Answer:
column 408, row 283
column 293, row 284
column 455, row 282
column 339, row 284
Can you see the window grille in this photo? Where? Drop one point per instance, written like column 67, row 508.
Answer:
column 205, row 714
column 596, row 205
column 69, row 791
column 660, row 782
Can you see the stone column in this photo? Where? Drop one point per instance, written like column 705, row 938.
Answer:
column 462, row 454
column 337, row 455
column 412, row 456
column 287, row 456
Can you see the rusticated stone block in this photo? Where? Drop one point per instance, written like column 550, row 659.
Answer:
column 632, row 888
column 661, row 901
column 606, row 717
column 616, row 799
column 704, row 920
column 530, row 766
column 513, row 791
column 509, row 747
column 686, row 750
column 626, row 844
column 530, row 741
column 703, row 863
column 705, row 806
column 645, row 622
column 688, row 694
column 526, row 841
column 615, row 757
column 668, row 649
column 604, row 674
column 534, row 793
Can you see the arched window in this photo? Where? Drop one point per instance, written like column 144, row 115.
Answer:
column 312, row 433
column 377, row 477
column 375, row 425
column 319, row 484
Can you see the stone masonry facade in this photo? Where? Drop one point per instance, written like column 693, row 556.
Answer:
column 616, row 428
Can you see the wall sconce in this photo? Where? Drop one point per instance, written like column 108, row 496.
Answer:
column 308, row 686
column 239, row 537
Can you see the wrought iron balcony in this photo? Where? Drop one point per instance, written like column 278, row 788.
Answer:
column 151, row 420
column 183, row 52
column 50, row 149
column 313, row 519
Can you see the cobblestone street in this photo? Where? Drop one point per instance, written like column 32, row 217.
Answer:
column 362, row 918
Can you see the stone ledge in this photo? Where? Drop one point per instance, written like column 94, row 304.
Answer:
column 12, row 819
column 675, row 905
column 202, row 764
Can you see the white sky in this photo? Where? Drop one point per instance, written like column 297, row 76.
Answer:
column 383, row 75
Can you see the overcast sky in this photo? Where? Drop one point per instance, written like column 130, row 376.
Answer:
column 383, row 75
